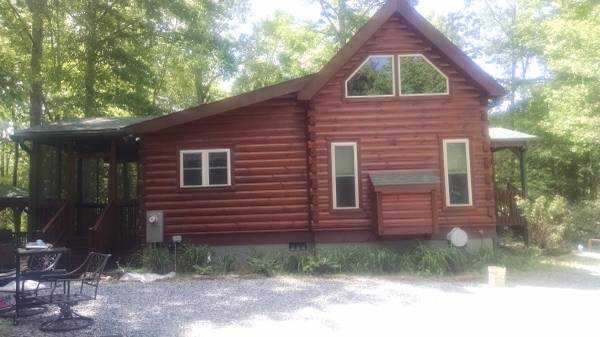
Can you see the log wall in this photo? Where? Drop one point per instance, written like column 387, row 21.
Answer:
column 269, row 172
column 399, row 133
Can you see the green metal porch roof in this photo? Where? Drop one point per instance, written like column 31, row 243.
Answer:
column 505, row 138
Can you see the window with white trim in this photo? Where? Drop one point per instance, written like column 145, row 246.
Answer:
column 374, row 78
column 205, row 168
column 344, row 172
column 457, row 169
column 420, row 77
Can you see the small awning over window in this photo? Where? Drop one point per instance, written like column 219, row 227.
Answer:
column 504, row 138
column 405, row 177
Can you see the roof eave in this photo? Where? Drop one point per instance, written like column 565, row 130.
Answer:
column 227, row 104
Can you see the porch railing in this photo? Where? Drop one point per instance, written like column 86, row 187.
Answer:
column 55, row 229
column 100, row 233
column 507, row 211
column 127, row 219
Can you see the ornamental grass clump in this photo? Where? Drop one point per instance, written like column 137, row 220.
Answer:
column 194, row 259
column 156, row 259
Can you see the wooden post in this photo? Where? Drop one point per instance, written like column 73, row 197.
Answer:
column 113, row 191
column 34, row 187
column 78, row 197
column 71, row 184
column 59, row 172
column 523, row 170
column 112, row 173
column 126, row 180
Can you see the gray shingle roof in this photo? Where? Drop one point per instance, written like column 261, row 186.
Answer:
column 81, row 127
column 404, row 177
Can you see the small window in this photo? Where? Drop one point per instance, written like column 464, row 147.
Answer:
column 345, row 175
column 418, row 76
column 458, row 172
column 205, row 168
column 374, row 78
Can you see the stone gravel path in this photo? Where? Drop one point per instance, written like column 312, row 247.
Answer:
column 555, row 301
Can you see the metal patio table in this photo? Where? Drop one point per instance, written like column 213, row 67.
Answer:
column 23, row 297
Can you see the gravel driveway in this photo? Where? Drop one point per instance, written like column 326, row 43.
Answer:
column 556, row 301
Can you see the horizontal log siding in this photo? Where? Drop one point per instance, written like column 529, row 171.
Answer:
column 399, row 133
column 269, row 180
column 405, row 214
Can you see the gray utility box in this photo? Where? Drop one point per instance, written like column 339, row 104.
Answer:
column 154, row 226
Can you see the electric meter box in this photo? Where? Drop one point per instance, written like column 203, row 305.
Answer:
column 154, row 226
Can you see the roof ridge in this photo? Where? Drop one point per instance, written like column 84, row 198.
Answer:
column 422, row 26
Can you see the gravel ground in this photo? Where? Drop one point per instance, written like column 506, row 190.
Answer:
column 559, row 300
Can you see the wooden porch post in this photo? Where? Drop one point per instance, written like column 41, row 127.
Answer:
column 112, row 173
column 71, row 185
column 523, row 170
column 34, row 187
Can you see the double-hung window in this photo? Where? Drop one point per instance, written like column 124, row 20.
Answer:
column 457, row 169
column 344, row 172
column 205, row 168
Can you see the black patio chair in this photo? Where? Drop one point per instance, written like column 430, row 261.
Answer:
column 70, row 289
column 32, row 268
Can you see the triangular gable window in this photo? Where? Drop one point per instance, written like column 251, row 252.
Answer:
column 418, row 76
column 374, row 78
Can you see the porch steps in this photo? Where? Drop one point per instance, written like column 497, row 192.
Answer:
column 79, row 250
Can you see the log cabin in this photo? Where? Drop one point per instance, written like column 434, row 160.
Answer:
column 389, row 142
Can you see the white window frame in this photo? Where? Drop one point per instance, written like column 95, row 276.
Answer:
column 447, row 176
column 356, row 175
column 393, row 59
column 205, row 167
column 433, row 65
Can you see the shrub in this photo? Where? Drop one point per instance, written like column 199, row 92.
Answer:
column 320, row 265
column 548, row 219
column 192, row 259
column 514, row 259
column 438, row 261
column 228, row 264
column 586, row 222
column 263, row 264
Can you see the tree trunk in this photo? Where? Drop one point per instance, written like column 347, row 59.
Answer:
column 37, row 8
column 91, row 44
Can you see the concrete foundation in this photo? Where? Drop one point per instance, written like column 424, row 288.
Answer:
column 244, row 251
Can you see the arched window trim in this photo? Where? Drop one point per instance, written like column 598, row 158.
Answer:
column 400, row 56
column 394, row 80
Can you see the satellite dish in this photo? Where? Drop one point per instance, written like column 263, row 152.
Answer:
column 458, row 237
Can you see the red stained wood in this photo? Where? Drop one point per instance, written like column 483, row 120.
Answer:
column 401, row 133
column 281, row 162
column 269, row 180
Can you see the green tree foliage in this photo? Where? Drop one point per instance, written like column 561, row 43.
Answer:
column 342, row 18
column 280, row 49
column 564, row 110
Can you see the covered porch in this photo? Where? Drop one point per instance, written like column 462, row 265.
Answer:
column 83, row 183
column 507, row 212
